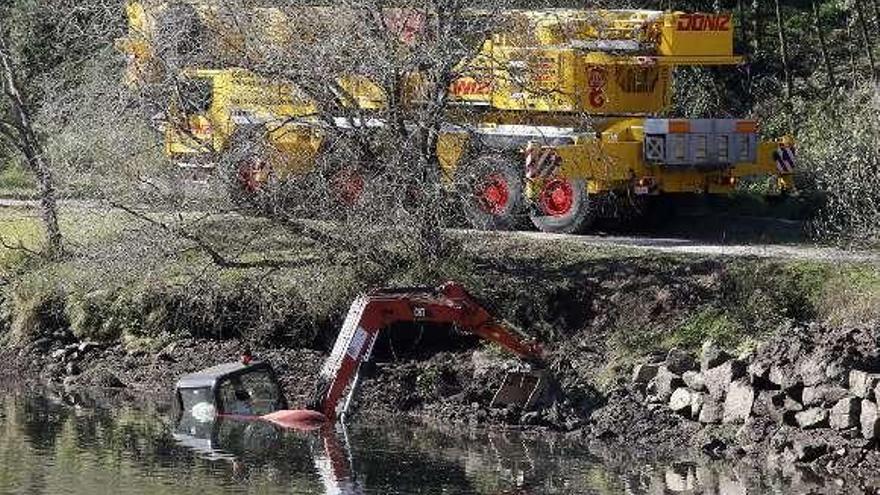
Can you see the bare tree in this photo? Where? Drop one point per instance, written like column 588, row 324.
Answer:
column 373, row 79
column 866, row 38
column 17, row 127
column 786, row 65
column 851, row 48
column 757, row 26
column 823, row 45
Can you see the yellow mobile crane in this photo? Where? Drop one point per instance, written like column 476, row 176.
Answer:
column 578, row 90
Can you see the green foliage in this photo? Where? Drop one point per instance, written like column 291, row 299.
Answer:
column 764, row 295
column 706, row 323
column 51, row 39
column 835, row 124
column 13, row 178
column 148, row 312
column 37, row 308
column 850, row 297
column 841, row 150
column 91, row 317
column 749, row 301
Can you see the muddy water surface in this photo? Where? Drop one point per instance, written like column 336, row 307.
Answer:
column 58, row 443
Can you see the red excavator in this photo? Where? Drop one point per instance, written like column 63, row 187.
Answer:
column 250, row 390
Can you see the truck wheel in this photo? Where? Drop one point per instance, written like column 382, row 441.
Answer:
column 563, row 207
column 248, row 173
column 347, row 186
column 490, row 190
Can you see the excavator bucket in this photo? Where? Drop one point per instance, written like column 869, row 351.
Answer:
column 521, row 388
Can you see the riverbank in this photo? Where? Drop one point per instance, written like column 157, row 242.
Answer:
column 134, row 306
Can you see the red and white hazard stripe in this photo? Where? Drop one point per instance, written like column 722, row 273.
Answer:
column 540, row 161
column 785, row 160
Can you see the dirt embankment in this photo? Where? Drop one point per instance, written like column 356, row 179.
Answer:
column 808, row 395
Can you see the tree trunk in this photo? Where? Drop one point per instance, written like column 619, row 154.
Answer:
column 430, row 233
column 876, row 4
column 823, row 46
column 866, row 38
column 25, row 139
column 786, row 67
column 854, row 72
column 757, row 26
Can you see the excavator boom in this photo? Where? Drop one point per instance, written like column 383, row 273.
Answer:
column 375, row 311
column 249, row 391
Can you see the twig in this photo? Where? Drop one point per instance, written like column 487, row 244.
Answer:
column 18, row 247
column 216, row 257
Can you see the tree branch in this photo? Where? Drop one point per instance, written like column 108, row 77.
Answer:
column 216, row 257
column 18, row 247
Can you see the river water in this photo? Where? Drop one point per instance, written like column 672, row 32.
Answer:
column 58, row 443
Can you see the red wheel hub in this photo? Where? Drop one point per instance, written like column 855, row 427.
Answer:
column 348, row 185
column 557, row 197
column 252, row 174
column 493, row 194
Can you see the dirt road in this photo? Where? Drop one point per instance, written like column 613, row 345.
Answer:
column 679, row 244
column 701, row 248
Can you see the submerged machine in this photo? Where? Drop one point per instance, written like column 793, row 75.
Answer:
column 250, row 390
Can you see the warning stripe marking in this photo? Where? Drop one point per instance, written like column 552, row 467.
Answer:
column 357, row 343
column 546, row 164
column 785, row 160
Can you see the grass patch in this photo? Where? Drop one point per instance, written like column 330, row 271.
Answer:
column 16, row 181
column 36, row 309
column 18, row 226
column 84, row 229
column 850, row 296
column 703, row 324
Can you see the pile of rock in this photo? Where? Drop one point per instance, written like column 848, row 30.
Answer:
column 808, row 394
column 65, row 359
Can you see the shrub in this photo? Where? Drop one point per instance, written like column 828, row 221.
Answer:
column 37, row 307
column 840, row 148
column 90, row 316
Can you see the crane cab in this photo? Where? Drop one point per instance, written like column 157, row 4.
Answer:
column 229, row 389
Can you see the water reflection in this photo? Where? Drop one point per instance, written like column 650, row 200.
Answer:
column 51, row 443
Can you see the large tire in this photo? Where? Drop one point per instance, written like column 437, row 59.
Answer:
column 247, row 172
column 490, row 190
column 563, row 206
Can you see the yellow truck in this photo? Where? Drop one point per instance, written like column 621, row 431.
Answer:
column 557, row 111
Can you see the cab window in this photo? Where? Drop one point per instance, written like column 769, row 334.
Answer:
column 253, row 393
column 192, row 397
column 197, row 404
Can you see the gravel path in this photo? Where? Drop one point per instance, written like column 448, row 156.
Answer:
column 700, row 248
column 672, row 245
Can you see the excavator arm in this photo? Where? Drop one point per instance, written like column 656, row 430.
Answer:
column 375, row 311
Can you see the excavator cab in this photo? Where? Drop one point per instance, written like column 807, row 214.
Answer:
column 229, row 389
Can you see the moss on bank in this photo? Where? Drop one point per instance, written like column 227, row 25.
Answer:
column 129, row 282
